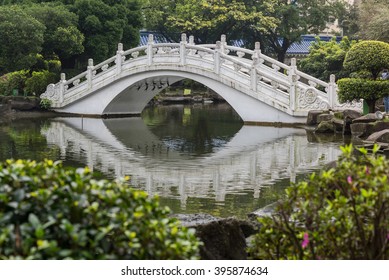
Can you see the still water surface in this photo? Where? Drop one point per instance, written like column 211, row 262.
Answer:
column 197, row 158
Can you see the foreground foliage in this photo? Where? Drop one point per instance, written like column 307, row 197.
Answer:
column 341, row 213
column 51, row 212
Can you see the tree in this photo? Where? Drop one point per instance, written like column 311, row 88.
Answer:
column 373, row 20
column 326, row 58
column 208, row 20
column 21, row 39
column 365, row 59
column 296, row 18
column 105, row 24
column 61, row 36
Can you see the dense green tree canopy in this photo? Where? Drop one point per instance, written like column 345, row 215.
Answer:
column 277, row 24
column 296, row 18
column 21, row 39
column 106, row 23
column 75, row 30
column 326, row 58
column 208, row 20
column 62, row 36
column 373, row 20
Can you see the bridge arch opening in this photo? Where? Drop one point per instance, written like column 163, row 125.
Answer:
column 138, row 90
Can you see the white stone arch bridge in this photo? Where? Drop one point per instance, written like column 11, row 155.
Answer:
column 259, row 88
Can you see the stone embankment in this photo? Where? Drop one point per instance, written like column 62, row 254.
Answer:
column 364, row 129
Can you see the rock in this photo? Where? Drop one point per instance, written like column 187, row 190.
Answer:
column 363, row 130
column 224, row 239
column 324, row 117
column 325, row 127
column 25, row 104
column 193, row 220
column 379, row 136
column 5, row 108
column 338, row 124
column 371, row 117
column 266, row 211
column 351, row 114
column 358, row 129
column 312, row 116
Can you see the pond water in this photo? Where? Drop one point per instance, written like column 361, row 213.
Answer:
column 196, row 158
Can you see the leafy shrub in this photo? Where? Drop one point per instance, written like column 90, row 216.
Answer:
column 13, row 80
column 326, row 58
column 51, row 212
column 371, row 56
column 37, row 83
column 369, row 90
column 45, row 103
column 341, row 213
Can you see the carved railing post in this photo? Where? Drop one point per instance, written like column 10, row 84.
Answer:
column 183, row 50
column 191, row 43
column 254, row 65
column 89, row 74
column 223, row 43
column 217, row 58
column 332, row 95
column 119, row 58
column 293, row 82
column 62, row 87
column 150, row 52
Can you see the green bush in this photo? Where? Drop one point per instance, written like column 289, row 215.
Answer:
column 371, row 56
column 45, row 104
column 326, row 58
column 13, row 80
column 37, row 83
column 341, row 213
column 51, row 212
column 369, row 90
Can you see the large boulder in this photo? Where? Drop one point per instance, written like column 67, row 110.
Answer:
column 338, row 124
column 363, row 130
column 351, row 114
column 312, row 116
column 368, row 118
column 379, row 136
column 224, row 239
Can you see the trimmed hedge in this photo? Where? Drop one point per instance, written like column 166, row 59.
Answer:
column 340, row 213
column 354, row 89
column 51, row 212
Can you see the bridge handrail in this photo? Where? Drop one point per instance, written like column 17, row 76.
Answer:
column 101, row 64
column 311, row 78
column 75, row 78
column 137, row 49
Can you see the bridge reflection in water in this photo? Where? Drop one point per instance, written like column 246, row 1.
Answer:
column 254, row 158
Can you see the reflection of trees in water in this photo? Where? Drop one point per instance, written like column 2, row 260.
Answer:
column 202, row 141
column 22, row 139
column 193, row 129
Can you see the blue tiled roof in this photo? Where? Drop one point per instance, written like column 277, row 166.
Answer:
column 300, row 48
